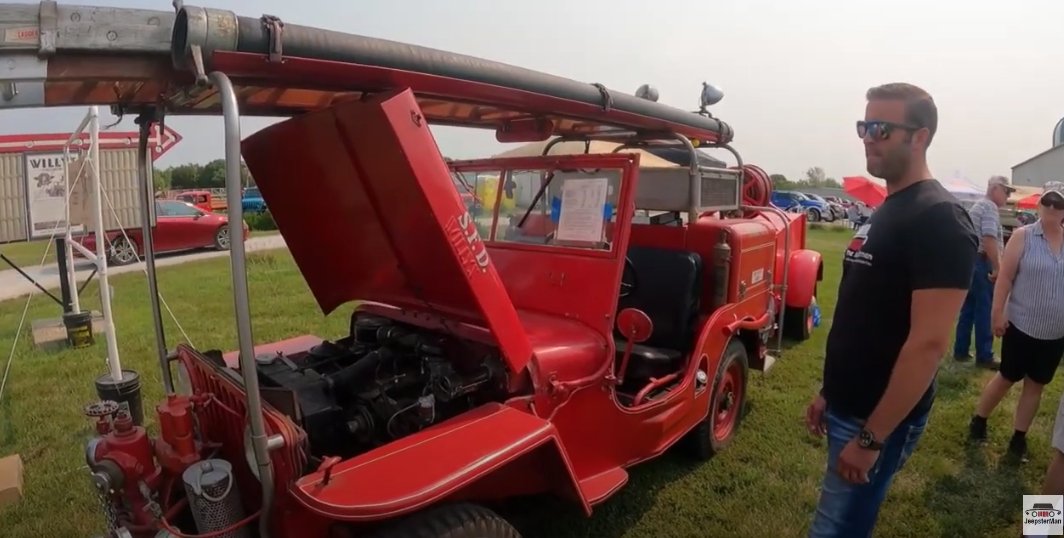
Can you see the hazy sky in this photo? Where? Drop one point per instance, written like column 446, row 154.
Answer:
column 794, row 73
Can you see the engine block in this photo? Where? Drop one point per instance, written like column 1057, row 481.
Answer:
column 383, row 381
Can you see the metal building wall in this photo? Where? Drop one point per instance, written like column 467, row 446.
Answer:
column 12, row 198
column 1034, row 172
column 118, row 170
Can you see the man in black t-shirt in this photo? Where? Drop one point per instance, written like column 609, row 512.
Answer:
column 905, row 275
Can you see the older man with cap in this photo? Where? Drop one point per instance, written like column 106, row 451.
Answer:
column 976, row 309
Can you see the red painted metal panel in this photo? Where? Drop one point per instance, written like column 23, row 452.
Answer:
column 380, row 220
column 223, row 420
column 160, row 141
column 377, row 484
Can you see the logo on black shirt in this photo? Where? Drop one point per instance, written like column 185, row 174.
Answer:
column 854, row 253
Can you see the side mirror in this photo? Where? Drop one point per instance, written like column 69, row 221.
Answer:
column 635, row 325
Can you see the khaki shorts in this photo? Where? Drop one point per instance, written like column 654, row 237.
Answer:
column 1058, row 427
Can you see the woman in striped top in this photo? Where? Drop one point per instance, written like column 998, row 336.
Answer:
column 1028, row 315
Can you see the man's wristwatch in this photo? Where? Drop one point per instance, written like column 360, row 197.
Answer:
column 866, row 440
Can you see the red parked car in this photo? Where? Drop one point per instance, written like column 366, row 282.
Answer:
column 178, row 226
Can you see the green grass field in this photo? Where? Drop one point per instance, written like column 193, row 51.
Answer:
column 765, row 484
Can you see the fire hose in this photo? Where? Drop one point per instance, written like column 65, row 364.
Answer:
column 756, row 189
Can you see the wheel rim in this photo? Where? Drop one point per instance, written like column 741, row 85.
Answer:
column 813, row 215
column 810, row 314
column 123, row 251
column 728, row 401
column 223, row 237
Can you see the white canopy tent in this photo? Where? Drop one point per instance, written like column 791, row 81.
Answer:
column 963, row 189
column 646, row 158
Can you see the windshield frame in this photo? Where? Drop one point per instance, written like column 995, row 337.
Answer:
column 626, row 164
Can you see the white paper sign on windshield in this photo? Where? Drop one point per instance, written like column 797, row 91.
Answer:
column 582, row 212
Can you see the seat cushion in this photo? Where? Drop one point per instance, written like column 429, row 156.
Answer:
column 668, row 289
column 647, row 361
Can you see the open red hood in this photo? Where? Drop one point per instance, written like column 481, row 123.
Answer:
column 366, row 204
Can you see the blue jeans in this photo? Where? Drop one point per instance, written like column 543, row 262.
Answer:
column 976, row 311
column 850, row 510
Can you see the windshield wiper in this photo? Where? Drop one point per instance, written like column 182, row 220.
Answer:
column 535, row 199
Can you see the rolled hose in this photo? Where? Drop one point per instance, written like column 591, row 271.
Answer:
column 216, row 30
column 757, row 186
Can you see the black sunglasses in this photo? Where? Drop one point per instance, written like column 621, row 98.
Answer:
column 881, row 130
column 1053, row 201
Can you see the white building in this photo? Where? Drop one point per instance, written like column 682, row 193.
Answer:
column 1046, row 166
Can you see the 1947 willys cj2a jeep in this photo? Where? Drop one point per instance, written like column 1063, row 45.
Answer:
column 613, row 311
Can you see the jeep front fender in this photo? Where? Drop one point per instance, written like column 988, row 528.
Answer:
column 493, row 451
column 806, row 268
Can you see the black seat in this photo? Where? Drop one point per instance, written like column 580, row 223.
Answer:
column 668, row 288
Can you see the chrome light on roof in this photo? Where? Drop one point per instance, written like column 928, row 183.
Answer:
column 648, row 92
column 711, row 95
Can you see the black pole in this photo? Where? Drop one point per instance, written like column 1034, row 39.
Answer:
column 147, row 200
column 86, row 283
column 28, row 277
column 64, row 281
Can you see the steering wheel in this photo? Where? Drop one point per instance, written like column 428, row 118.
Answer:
column 628, row 286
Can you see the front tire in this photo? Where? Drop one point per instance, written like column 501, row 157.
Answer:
column 122, row 252
column 453, row 521
column 727, row 404
column 221, row 238
column 813, row 215
column 798, row 322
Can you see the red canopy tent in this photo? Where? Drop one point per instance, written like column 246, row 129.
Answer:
column 865, row 190
column 1029, row 202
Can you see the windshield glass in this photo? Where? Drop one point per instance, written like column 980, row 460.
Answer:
column 252, row 192
column 560, row 208
column 460, row 184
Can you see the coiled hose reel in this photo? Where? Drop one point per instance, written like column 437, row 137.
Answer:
column 756, row 189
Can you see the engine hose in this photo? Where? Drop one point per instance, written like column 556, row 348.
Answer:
column 213, row 534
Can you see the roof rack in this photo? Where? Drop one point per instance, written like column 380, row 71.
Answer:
column 60, row 55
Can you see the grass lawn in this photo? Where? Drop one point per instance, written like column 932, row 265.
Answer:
column 765, row 484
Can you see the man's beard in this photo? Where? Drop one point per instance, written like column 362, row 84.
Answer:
column 892, row 165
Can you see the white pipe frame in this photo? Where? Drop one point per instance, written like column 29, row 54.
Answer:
column 99, row 258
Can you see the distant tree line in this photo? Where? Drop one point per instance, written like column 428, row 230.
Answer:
column 198, row 176
column 212, row 175
column 814, row 177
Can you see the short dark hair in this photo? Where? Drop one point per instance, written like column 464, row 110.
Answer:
column 920, row 109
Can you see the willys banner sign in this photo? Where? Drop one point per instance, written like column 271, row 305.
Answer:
column 46, row 191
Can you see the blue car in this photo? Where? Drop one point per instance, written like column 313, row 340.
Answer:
column 815, row 210
column 252, row 201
